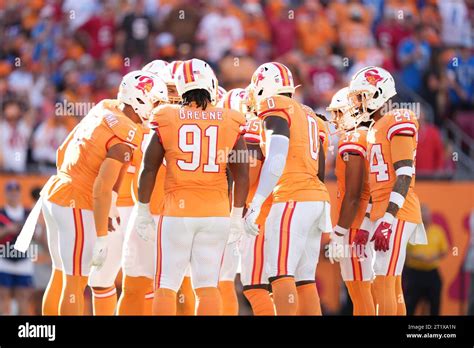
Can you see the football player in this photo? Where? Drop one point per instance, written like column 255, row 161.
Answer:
column 195, row 139
column 234, row 100
column 352, row 201
column 79, row 202
column 300, row 209
column 395, row 210
column 253, row 275
column 137, row 259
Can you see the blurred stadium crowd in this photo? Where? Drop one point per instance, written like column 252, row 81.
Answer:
column 59, row 57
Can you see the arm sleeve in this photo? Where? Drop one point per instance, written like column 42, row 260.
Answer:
column 273, row 167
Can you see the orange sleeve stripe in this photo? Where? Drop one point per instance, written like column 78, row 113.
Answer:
column 262, row 114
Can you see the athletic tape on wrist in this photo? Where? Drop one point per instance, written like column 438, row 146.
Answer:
column 408, row 171
column 341, row 230
column 397, row 199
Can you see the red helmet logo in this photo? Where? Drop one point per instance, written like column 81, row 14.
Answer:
column 372, row 76
column 145, row 85
column 259, row 77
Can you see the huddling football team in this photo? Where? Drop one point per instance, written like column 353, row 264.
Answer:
column 180, row 185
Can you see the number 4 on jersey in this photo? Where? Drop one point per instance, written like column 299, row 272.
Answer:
column 377, row 163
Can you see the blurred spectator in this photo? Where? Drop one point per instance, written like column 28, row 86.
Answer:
column 16, row 269
column 14, row 136
column 461, row 79
column 283, row 30
column 256, row 30
column 323, row 77
column 99, row 32
column 47, row 137
column 414, row 57
column 421, row 276
column 236, row 68
column 79, row 12
column 456, row 25
column 182, row 21
column 219, row 30
column 392, row 30
column 354, row 34
column 430, row 153
column 314, row 28
column 138, row 27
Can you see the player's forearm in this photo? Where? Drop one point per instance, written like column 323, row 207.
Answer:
column 400, row 189
column 102, row 194
column 321, row 162
column 241, row 189
column 152, row 160
column 146, row 183
column 349, row 207
column 272, row 168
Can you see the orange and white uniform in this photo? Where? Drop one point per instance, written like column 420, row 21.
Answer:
column 300, row 210
column 194, row 226
column 251, row 247
column 355, row 267
column 67, row 198
column 407, row 226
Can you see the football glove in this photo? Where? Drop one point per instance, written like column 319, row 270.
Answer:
column 99, row 253
column 250, row 219
column 336, row 247
column 382, row 233
column 142, row 222
column 236, row 225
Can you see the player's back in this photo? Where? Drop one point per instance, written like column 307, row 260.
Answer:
column 382, row 174
column 197, row 143
column 299, row 181
column 83, row 152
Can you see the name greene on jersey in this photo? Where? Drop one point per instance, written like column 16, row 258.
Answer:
column 200, row 115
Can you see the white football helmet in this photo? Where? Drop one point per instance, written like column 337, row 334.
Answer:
column 370, row 88
column 221, row 92
column 196, row 74
column 343, row 114
column 271, row 79
column 142, row 90
column 158, row 67
column 235, row 99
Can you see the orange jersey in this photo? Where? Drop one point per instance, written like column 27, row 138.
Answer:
column 252, row 136
column 196, row 143
column 382, row 175
column 299, row 181
column 128, row 192
column 323, row 131
column 83, row 152
column 353, row 142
